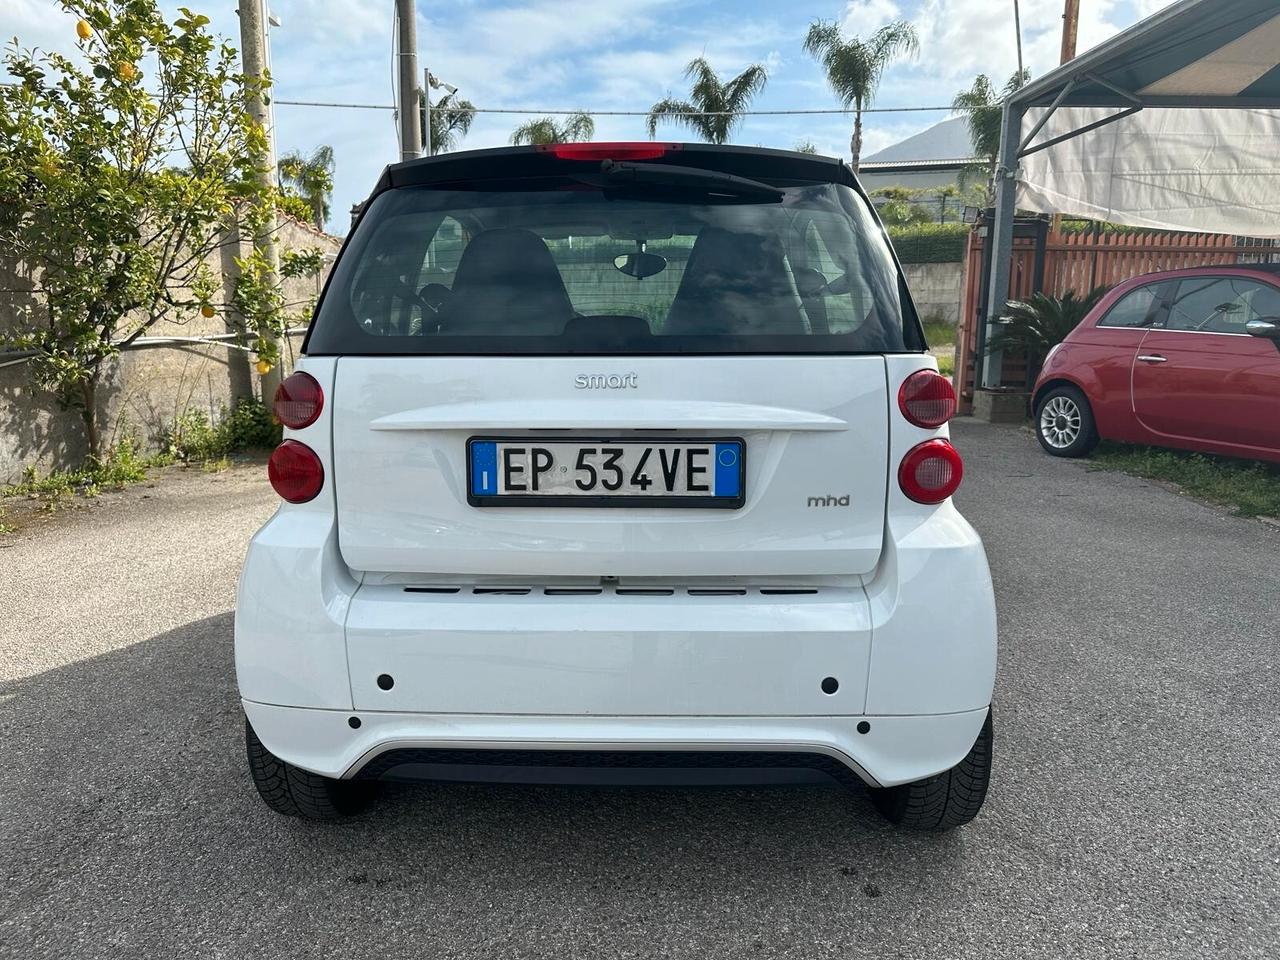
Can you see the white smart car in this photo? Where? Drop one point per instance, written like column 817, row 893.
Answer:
column 617, row 463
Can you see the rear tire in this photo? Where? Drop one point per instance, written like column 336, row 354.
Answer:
column 950, row 799
column 295, row 792
column 1064, row 422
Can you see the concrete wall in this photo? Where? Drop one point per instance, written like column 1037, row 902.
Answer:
column 142, row 391
column 936, row 289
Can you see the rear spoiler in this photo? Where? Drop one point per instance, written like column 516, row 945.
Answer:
column 534, row 161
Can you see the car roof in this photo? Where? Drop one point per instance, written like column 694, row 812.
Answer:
column 546, row 160
column 1219, row 268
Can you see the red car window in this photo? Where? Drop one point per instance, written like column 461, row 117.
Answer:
column 1221, row 304
column 1134, row 309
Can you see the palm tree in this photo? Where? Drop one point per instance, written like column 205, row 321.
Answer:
column 854, row 66
column 312, row 178
column 576, row 128
column 713, row 108
column 451, row 119
column 985, row 116
column 1038, row 324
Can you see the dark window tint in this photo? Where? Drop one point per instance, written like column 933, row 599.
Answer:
column 1134, row 309
column 554, row 266
column 1221, row 304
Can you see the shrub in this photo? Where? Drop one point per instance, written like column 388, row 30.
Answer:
column 929, row 242
column 191, row 437
column 1042, row 322
column 246, row 426
column 250, row 426
column 122, row 464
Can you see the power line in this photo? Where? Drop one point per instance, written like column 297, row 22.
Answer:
column 638, row 113
column 344, row 106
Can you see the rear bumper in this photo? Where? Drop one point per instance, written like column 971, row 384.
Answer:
column 893, row 750
column 913, row 648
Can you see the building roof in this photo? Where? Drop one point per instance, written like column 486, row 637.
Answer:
column 941, row 142
column 915, row 166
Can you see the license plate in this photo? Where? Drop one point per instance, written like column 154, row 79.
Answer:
column 538, row 472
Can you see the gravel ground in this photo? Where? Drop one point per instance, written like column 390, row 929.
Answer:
column 1131, row 814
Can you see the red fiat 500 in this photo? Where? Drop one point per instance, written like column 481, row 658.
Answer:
column 1187, row 358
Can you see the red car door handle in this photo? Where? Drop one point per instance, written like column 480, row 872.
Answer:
column 1152, row 358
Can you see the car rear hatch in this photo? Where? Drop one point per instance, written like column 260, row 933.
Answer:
column 813, row 486
column 724, row 306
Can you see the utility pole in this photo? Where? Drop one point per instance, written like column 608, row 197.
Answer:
column 253, row 63
column 1017, row 30
column 407, row 63
column 1070, row 27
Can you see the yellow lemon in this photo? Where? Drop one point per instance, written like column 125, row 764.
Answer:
column 263, row 367
column 83, row 30
column 126, row 71
column 206, row 311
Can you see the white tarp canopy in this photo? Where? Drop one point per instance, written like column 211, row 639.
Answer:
column 1206, row 170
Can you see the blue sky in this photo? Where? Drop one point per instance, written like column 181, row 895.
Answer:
column 610, row 55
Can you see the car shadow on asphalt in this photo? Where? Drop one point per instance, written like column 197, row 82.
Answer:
column 131, row 765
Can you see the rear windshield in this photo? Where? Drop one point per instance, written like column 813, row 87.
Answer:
column 552, row 266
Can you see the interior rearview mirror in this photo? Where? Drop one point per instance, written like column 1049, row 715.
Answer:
column 640, row 265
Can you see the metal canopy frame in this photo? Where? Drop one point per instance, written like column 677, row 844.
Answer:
column 1025, row 147
column 1063, row 88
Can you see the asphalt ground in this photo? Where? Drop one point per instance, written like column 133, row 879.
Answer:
column 1132, row 814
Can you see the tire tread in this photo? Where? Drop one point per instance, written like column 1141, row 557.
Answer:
column 294, row 792
column 947, row 800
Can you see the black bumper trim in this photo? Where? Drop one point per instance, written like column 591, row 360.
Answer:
column 608, row 767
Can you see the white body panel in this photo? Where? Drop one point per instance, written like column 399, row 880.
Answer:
column 900, row 611
column 401, row 426
column 610, row 653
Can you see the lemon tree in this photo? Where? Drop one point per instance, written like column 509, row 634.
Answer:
column 118, row 172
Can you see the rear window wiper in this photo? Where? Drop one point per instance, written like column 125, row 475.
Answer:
column 620, row 173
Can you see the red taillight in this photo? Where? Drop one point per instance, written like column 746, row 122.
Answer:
column 298, row 401
column 296, row 472
column 642, row 150
column 931, row 471
column 927, row 399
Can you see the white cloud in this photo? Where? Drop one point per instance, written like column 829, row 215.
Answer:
column 865, row 16
column 512, row 53
column 961, row 38
column 1146, row 8
column 327, row 21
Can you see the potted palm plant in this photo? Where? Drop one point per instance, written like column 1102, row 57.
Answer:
column 1030, row 328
